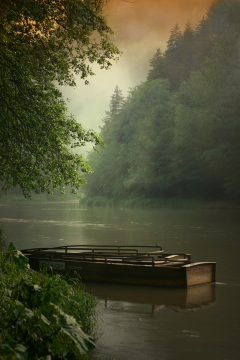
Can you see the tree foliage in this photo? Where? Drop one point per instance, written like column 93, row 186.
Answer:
column 44, row 44
column 178, row 134
column 157, row 64
column 109, row 162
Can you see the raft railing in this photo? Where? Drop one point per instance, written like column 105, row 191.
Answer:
column 109, row 254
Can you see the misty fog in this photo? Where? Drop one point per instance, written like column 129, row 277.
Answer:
column 140, row 27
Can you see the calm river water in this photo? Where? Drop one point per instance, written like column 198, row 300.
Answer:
column 149, row 323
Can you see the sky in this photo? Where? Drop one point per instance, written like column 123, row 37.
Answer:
column 140, row 27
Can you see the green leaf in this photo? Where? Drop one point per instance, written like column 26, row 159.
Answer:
column 12, row 248
column 20, row 260
column 74, row 331
column 12, row 350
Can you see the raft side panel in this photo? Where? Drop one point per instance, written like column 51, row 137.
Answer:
column 170, row 274
column 200, row 273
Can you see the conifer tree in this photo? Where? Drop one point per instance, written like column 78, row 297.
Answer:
column 157, row 64
column 173, row 57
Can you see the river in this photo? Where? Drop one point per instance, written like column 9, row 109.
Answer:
column 148, row 323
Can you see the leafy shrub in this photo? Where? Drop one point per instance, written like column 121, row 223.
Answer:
column 89, row 202
column 3, row 238
column 99, row 201
column 41, row 314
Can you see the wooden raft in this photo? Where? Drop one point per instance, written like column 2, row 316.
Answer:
column 143, row 265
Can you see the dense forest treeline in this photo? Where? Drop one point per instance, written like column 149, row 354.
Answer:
column 178, row 133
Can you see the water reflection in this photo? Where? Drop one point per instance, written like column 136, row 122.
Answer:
column 127, row 297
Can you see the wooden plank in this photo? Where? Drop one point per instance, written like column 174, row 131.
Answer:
column 174, row 263
column 171, row 256
column 201, row 273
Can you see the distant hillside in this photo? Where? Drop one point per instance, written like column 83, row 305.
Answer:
column 178, row 134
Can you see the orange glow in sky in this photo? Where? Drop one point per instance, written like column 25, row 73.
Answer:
column 152, row 20
column 140, row 27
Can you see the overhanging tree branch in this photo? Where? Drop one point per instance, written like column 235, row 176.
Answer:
column 42, row 42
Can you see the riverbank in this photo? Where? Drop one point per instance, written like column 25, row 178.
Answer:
column 39, row 197
column 191, row 203
column 43, row 316
column 99, row 201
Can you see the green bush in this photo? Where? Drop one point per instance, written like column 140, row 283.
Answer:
column 3, row 238
column 89, row 202
column 100, row 201
column 42, row 314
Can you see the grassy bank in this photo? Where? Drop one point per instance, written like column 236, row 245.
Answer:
column 42, row 316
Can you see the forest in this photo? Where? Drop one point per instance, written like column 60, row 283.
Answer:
column 177, row 135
